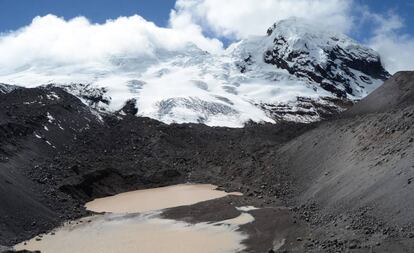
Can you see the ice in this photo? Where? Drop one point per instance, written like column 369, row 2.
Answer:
column 189, row 85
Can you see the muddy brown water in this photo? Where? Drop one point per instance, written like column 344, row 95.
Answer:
column 157, row 198
column 132, row 225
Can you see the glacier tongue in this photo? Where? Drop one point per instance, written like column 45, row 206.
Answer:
column 296, row 73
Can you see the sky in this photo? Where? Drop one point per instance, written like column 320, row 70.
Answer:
column 404, row 8
column 40, row 29
column 17, row 13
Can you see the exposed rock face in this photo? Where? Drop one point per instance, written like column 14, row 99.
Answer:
column 307, row 110
column 130, row 108
column 5, row 88
column 89, row 94
column 339, row 64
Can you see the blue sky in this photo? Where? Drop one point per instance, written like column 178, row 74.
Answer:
column 17, row 13
column 403, row 8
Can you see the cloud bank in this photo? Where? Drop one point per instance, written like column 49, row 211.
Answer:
column 241, row 18
column 51, row 40
column 396, row 48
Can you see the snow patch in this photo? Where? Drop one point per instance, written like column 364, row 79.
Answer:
column 246, row 208
column 51, row 119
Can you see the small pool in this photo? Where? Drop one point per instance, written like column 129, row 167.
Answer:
column 132, row 224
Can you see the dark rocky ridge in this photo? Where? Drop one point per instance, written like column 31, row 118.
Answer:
column 350, row 179
column 5, row 88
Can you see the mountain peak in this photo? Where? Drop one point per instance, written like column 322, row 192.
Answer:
column 298, row 72
column 299, row 26
column 338, row 63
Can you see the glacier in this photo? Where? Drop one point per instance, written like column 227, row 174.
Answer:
column 297, row 72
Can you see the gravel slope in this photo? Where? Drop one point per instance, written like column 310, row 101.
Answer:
column 348, row 179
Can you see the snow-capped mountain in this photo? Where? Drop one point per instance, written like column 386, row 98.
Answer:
column 339, row 64
column 296, row 72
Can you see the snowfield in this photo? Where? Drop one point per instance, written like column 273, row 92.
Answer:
column 260, row 79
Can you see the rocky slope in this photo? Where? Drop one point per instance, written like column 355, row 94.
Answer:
column 55, row 153
column 355, row 173
column 348, row 179
column 297, row 72
column 34, row 124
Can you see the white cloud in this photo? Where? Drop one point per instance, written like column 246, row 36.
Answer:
column 395, row 48
column 51, row 40
column 241, row 18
